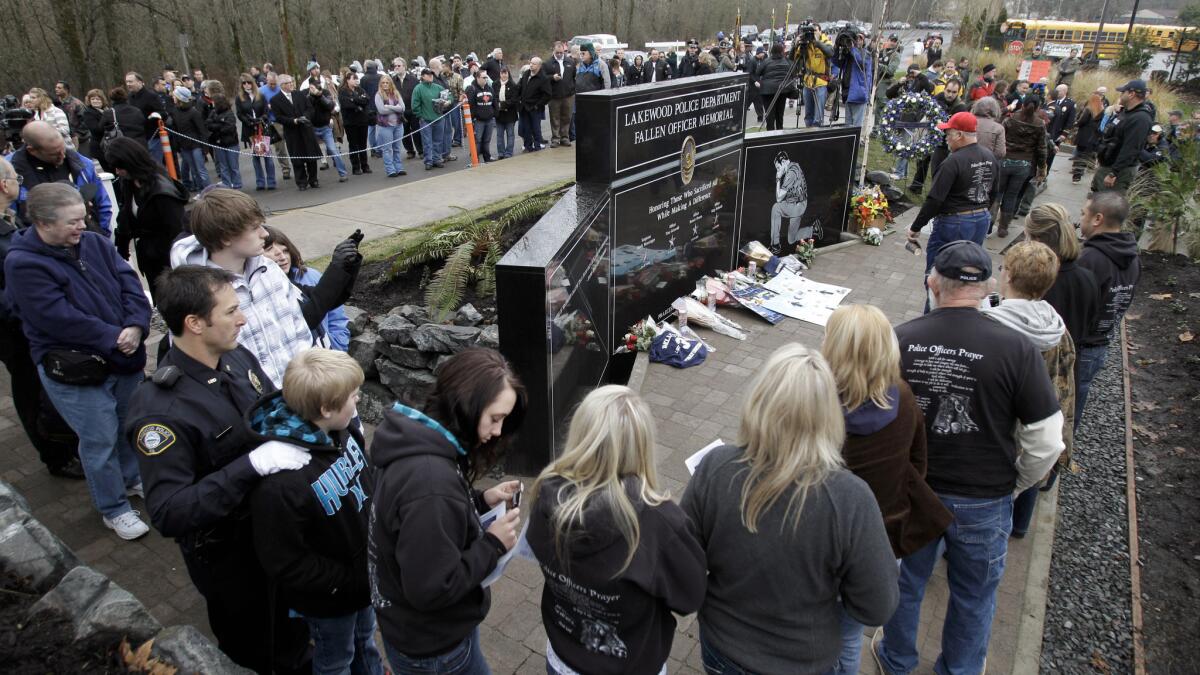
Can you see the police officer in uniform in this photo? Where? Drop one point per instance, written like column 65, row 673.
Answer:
column 198, row 465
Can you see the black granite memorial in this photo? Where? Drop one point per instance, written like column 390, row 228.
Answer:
column 796, row 185
column 668, row 188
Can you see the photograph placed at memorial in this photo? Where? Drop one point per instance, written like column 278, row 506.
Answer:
column 796, row 186
column 668, row 231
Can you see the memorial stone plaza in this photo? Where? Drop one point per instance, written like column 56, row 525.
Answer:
column 673, row 194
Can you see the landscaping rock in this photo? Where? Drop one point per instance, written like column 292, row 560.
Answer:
column 360, row 320
column 100, row 610
column 397, row 330
column 405, row 356
column 28, row 549
column 187, row 649
column 414, row 313
column 440, row 360
column 411, row 385
column 489, row 337
column 467, row 315
column 444, row 339
column 376, row 398
column 362, row 350
column 9, row 497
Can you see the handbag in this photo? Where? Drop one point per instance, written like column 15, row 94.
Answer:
column 111, row 134
column 71, row 366
column 259, row 144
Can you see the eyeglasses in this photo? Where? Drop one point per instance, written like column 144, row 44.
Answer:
column 15, row 177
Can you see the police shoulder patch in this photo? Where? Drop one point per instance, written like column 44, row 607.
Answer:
column 153, row 439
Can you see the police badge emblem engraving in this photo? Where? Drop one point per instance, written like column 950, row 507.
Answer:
column 153, row 439
column 687, row 160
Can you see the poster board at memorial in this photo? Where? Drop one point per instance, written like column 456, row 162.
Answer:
column 796, row 184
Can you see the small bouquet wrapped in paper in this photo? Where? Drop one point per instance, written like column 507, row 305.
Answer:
column 756, row 252
column 699, row 314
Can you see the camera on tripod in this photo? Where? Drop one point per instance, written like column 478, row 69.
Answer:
column 13, row 119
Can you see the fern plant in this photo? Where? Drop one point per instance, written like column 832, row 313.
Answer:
column 470, row 248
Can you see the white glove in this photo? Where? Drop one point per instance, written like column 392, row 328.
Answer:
column 275, row 457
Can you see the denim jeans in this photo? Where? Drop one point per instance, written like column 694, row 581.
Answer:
column 530, row 127
column 814, row 106
column 1023, row 508
column 483, row 138
column 325, row 136
column 371, row 138
column 1089, row 361
column 227, row 166
column 154, row 145
column 1013, row 174
column 393, row 149
column 505, row 138
column 264, row 178
column 976, row 545
column 345, row 644
column 464, row 659
column 456, row 123
column 715, row 662
column 855, row 113
column 947, row 229
column 192, row 171
column 447, row 137
column 431, row 141
column 97, row 415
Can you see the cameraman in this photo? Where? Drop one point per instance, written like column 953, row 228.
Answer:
column 814, row 52
column 853, row 66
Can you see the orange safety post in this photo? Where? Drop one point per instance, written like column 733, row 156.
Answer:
column 168, row 157
column 470, row 131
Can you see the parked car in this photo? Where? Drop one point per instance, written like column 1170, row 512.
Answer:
column 748, row 31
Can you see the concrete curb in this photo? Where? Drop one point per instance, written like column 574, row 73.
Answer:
column 638, row 375
column 1028, row 656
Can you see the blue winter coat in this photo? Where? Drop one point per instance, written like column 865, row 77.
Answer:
column 861, row 70
column 335, row 325
column 76, row 303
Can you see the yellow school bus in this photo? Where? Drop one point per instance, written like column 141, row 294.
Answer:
column 1031, row 32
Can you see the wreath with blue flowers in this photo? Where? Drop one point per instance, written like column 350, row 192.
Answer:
column 892, row 129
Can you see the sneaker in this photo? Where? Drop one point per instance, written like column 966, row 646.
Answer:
column 429, row 167
column 565, row 144
column 127, row 525
column 136, row 491
column 876, row 642
column 343, row 179
column 450, row 158
column 401, row 172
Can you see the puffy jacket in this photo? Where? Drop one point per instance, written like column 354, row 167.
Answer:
column 861, row 70
column 772, row 75
column 80, row 301
column 222, row 128
column 1025, row 140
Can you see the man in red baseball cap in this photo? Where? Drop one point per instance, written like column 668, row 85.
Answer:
column 961, row 193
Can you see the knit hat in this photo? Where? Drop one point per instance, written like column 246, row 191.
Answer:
column 182, row 94
column 989, row 68
column 311, row 65
column 356, row 66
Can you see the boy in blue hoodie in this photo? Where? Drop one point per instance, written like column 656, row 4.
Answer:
column 310, row 524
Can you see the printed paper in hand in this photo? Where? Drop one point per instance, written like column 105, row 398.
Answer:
column 521, row 548
column 804, row 299
column 694, row 461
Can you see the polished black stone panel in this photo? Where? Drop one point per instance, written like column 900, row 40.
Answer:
column 552, row 292
column 667, row 233
column 622, row 132
column 774, row 198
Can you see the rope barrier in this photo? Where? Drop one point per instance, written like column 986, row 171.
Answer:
column 318, row 157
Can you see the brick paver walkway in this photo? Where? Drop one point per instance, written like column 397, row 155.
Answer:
column 692, row 407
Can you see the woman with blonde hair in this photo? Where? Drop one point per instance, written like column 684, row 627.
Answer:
column 45, row 110
column 617, row 554
column 787, row 529
column 885, row 439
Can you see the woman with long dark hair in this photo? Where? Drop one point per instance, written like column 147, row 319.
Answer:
column 1025, row 156
column 152, row 204
column 429, row 551
column 356, row 106
column 251, row 109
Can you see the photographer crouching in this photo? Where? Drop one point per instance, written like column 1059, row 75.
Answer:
column 814, row 51
column 853, row 67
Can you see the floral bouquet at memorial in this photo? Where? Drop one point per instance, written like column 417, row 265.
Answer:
column 911, row 139
column 870, row 208
column 639, row 337
column 806, row 250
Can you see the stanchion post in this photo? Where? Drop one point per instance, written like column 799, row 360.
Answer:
column 470, row 131
column 168, row 156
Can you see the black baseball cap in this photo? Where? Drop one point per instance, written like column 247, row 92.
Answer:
column 427, row 71
column 963, row 260
column 1133, row 85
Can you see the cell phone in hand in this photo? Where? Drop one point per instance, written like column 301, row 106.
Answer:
column 516, row 498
